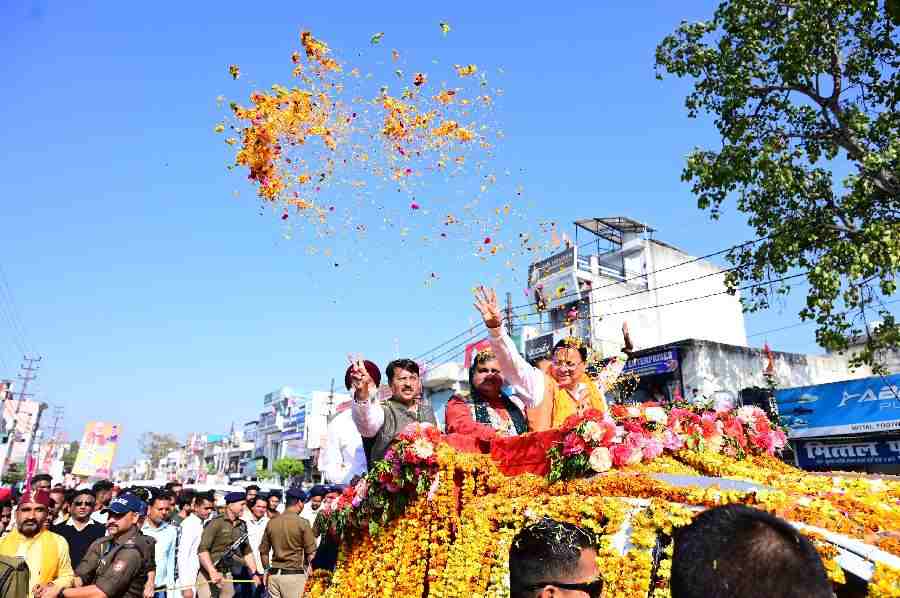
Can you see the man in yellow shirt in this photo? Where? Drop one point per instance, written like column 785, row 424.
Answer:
column 45, row 553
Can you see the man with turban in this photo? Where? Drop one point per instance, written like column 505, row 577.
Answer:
column 344, row 455
column 45, row 553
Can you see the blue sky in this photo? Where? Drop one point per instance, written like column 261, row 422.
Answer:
column 160, row 300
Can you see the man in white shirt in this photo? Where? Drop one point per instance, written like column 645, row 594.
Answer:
column 256, row 518
column 191, row 531
column 311, row 509
column 344, row 457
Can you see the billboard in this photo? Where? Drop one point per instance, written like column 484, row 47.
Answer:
column 97, row 450
column 849, row 407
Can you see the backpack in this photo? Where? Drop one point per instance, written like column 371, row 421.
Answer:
column 13, row 577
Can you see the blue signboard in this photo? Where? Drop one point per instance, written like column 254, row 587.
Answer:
column 656, row 363
column 816, row 454
column 850, row 407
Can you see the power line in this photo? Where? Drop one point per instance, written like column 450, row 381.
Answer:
column 614, row 283
column 808, row 322
column 11, row 314
column 686, row 300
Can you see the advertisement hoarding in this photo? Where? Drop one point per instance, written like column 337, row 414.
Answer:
column 97, row 450
column 849, row 407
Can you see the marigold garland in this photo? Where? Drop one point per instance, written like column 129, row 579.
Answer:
column 453, row 539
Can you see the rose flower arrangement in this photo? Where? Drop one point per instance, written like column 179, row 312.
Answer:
column 409, row 469
column 596, row 441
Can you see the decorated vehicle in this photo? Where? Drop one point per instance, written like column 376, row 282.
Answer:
column 430, row 520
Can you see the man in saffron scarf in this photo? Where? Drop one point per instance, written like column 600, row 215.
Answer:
column 45, row 553
column 553, row 397
column 473, row 421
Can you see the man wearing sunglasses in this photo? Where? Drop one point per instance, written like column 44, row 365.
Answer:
column 79, row 529
column 553, row 559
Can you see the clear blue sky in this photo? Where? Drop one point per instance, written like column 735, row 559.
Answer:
column 161, row 301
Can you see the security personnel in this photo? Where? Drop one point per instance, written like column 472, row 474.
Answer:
column 293, row 546
column 223, row 539
column 116, row 565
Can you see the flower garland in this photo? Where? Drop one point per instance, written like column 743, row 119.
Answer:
column 443, row 520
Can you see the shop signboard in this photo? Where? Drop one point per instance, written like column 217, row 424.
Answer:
column 564, row 260
column 819, row 454
column 555, row 279
column 848, row 407
column 539, row 346
column 663, row 362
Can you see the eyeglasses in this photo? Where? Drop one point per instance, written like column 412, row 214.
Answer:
column 568, row 365
column 592, row 588
column 83, row 503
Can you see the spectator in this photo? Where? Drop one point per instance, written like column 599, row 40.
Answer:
column 157, row 526
column 79, row 530
column 5, row 515
column 274, row 504
column 103, row 492
column 41, row 481
column 256, row 518
column 185, row 500
column 554, row 559
column 735, row 551
column 46, row 553
column 59, row 509
column 174, row 488
column 189, row 542
column 252, row 493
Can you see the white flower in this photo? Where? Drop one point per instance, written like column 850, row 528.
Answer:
column 656, row 414
column 749, row 413
column 634, row 411
column 592, row 432
column 600, row 459
column 422, row 448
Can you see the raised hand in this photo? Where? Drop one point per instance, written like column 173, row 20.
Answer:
column 486, row 304
column 360, row 380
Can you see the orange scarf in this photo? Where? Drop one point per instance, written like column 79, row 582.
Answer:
column 558, row 404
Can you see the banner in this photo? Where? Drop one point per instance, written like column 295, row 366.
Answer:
column 19, row 420
column 816, row 454
column 849, row 407
column 97, row 450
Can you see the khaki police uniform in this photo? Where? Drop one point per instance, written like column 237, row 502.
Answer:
column 218, row 537
column 119, row 567
column 292, row 542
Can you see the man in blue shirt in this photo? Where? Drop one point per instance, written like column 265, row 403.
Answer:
column 157, row 526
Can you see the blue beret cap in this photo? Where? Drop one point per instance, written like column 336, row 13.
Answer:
column 126, row 503
column 235, row 497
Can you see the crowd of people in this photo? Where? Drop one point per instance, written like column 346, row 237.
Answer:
column 101, row 541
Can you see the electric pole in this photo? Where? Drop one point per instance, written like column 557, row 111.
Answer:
column 13, row 435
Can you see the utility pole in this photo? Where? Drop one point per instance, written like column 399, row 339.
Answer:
column 28, row 377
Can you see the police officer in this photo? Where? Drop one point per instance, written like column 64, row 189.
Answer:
column 116, row 565
column 293, row 546
column 223, row 543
